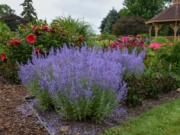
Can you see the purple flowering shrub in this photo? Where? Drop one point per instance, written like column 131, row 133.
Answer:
column 81, row 84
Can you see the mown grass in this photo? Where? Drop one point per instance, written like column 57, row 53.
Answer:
column 162, row 120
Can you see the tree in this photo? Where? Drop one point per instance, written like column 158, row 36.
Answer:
column 5, row 10
column 143, row 8
column 129, row 26
column 28, row 11
column 8, row 16
column 103, row 24
column 108, row 21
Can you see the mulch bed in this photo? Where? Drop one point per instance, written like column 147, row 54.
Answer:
column 13, row 122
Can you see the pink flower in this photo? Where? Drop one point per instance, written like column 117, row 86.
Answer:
column 46, row 28
column 34, row 28
column 155, row 46
column 125, row 39
column 38, row 51
column 116, row 45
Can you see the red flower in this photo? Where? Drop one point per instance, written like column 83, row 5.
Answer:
column 38, row 51
column 142, row 44
column 46, row 28
column 116, row 45
column 31, row 39
column 3, row 57
column 15, row 42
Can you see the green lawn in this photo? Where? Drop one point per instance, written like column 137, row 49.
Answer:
column 163, row 120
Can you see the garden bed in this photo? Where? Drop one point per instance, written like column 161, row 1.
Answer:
column 12, row 122
column 18, row 117
column 55, row 125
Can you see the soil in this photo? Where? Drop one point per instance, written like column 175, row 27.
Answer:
column 14, row 122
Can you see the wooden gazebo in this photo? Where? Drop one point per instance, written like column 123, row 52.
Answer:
column 170, row 16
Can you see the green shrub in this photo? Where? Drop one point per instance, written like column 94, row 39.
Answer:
column 74, row 28
column 7, row 69
column 46, row 38
column 168, row 59
column 103, row 40
column 9, row 72
column 45, row 101
column 3, row 27
column 107, row 37
column 95, row 109
column 5, row 34
column 144, row 87
column 62, row 31
column 161, row 40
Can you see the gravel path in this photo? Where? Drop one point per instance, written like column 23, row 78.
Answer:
column 12, row 121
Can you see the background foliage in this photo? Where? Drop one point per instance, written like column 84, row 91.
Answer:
column 129, row 26
column 108, row 21
column 5, row 10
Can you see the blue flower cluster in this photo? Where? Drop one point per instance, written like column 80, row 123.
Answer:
column 73, row 72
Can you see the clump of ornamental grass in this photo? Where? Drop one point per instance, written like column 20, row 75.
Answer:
column 81, row 84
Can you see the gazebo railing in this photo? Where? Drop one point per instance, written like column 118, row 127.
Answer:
column 171, row 38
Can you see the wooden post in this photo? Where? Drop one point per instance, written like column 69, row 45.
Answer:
column 175, row 31
column 175, row 28
column 156, row 30
column 150, row 31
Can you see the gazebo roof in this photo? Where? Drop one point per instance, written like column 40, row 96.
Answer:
column 171, row 14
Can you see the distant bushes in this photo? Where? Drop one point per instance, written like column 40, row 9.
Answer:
column 161, row 40
column 129, row 26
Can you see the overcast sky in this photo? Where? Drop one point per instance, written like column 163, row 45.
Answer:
column 92, row 11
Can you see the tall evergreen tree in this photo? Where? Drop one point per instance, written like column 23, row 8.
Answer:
column 108, row 21
column 28, row 11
